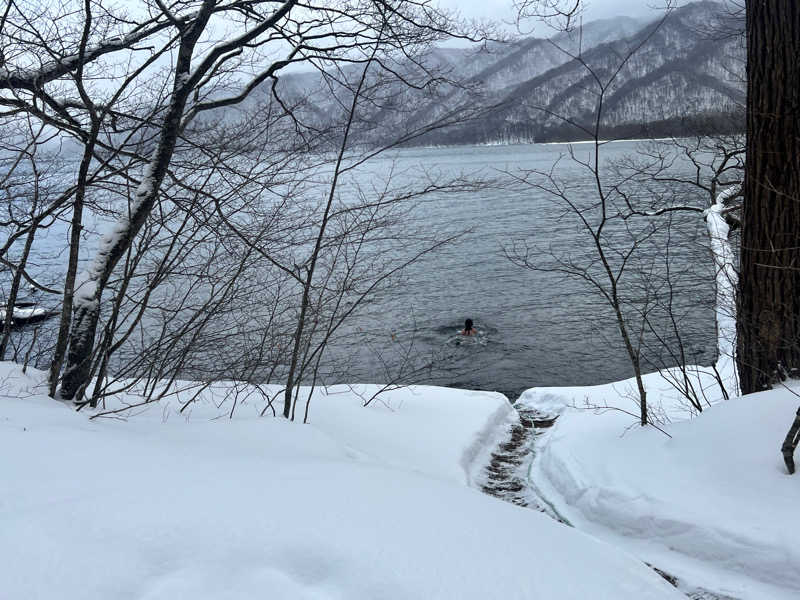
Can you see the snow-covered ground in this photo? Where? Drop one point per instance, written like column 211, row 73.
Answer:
column 712, row 504
column 363, row 503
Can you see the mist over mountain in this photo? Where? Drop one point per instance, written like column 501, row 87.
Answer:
column 679, row 74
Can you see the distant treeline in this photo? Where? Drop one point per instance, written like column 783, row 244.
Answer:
column 708, row 124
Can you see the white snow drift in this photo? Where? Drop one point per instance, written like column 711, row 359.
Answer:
column 712, row 504
column 364, row 503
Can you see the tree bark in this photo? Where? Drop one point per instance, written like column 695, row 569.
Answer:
column 114, row 246
column 769, row 288
column 72, row 265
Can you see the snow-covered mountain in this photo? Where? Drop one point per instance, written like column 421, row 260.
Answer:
column 675, row 75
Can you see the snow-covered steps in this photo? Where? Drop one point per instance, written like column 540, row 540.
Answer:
column 506, row 475
column 711, row 504
column 505, row 472
column 691, row 591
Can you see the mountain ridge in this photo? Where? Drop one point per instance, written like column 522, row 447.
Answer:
column 659, row 77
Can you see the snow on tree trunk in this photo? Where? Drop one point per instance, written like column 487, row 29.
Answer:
column 90, row 284
column 726, row 281
column 89, row 288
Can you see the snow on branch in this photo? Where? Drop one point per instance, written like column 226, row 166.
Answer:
column 33, row 79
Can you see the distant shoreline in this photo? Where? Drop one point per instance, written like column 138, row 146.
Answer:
column 521, row 143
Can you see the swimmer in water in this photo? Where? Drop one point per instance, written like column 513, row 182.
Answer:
column 468, row 328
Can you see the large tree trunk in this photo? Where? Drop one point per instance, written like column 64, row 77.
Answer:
column 769, row 289
column 88, row 293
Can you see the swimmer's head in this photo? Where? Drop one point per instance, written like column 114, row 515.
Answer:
column 467, row 324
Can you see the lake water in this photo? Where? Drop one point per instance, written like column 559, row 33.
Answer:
column 535, row 328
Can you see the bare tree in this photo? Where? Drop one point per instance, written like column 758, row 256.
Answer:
column 173, row 51
column 613, row 241
column 218, row 286
column 25, row 191
column 699, row 176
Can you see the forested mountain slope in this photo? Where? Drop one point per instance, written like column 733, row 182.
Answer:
column 678, row 74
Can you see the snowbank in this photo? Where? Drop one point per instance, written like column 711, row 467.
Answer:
column 361, row 504
column 712, row 504
column 432, row 430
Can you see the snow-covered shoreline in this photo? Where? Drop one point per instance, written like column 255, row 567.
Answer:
column 362, row 503
column 381, row 501
column 712, row 504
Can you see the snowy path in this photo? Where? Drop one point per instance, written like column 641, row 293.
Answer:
column 505, row 473
column 506, row 469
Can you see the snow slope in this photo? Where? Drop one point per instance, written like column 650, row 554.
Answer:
column 361, row 504
column 712, row 504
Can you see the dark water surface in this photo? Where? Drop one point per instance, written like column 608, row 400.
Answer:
column 535, row 328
